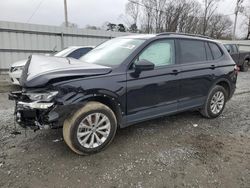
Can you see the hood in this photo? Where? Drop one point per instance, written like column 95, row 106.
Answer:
column 39, row 70
column 19, row 63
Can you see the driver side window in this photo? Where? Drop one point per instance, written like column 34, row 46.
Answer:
column 160, row 53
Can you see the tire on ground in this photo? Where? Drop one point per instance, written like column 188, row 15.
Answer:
column 206, row 110
column 244, row 67
column 71, row 124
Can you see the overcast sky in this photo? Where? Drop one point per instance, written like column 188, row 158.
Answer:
column 81, row 12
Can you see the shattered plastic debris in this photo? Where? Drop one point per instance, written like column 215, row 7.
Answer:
column 57, row 140
column 15, row 132
column 195, row 125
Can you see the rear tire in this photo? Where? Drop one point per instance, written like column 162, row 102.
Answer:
column 244, row 67
column 215, row 102
column 91, row 129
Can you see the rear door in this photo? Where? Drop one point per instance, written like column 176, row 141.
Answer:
column 197, row 72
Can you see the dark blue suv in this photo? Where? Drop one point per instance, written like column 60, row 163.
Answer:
column 122, row 82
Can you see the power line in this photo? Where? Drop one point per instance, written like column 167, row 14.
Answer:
column 35, row 11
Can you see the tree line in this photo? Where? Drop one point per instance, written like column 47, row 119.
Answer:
column 188, row 16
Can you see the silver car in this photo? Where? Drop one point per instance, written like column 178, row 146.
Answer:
column 76, row 52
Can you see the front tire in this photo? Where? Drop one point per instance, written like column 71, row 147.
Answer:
column 90, row 129
column 215, row 102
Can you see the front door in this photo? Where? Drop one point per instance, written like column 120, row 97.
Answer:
column 155, row 92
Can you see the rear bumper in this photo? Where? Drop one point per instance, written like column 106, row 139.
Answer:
column 233, row 88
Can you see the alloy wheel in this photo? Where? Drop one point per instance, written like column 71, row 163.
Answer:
column 217, row 102
column 93, row 130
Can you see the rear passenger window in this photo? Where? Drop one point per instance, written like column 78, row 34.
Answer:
column 215, row 50
column 192, row 51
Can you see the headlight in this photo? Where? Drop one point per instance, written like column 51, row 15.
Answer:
column 42, row 96
column 18, row 68
column 36, row 105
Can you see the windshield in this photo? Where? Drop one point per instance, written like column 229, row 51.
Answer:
column 113, row 52
column 63, row 53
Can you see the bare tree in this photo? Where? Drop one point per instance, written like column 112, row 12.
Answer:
column 219, row 27
column 133, row 10
column 148, row 12
column 158, row 9
column 186, row 16
column 172, row 15
column 209, row 10
column 189, row 21
column 182, row 16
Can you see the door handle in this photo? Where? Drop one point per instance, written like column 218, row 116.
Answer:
column 212, row 67
column 175, row 72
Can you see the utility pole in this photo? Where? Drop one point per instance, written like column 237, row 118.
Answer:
column 66, row 13
column 248, row 31
column 236, row 16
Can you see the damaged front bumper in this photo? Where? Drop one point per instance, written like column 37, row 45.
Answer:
column 39, row 115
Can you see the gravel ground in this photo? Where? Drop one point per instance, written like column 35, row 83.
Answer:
column 183, row 150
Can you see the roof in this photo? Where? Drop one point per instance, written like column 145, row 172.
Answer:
column 171, row 34
column 75, row 47
column 139, row 36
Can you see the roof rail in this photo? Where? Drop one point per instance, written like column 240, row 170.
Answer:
column 185, row 34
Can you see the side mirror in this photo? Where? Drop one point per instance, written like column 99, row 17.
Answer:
column 229, row 51
column 143, row 65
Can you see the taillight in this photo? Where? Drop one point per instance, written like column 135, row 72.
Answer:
column 236, row 69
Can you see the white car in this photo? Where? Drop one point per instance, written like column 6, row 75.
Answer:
column 76, row 52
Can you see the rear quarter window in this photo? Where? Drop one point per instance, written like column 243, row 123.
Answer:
column 216, row 51
column 208, row 51
column 192, row 51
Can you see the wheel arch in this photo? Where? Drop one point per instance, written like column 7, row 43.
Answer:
column 225, row 84
column 109, row 101
column 247, row 58
column 79, row 98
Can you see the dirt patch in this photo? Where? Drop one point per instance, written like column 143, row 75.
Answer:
column 166, row 152
column 206, row 147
